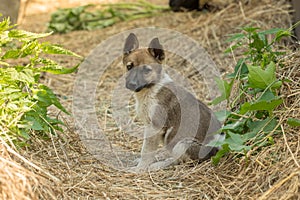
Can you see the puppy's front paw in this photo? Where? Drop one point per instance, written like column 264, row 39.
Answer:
column 162, row 164
column 136, row 161
column 137, row 169
column 141, row 167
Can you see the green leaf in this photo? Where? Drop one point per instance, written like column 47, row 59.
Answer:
column 236, row 142
column 240, row 70
column 236, row 126
column 24, row 134
column 55, row 49
column 54, row 99
column 37, row 124
column 11, row 54
column 257, row 42
column 225, row 89
column 57, row 69
column 26, row 76
column 267, row 96
column 277, row 84
column 25, row 35
column 271, row 31
column 222, row 115
column 79, row 10
column 59, row 27
column 9, row 90
column 259, row 129
column 259, row 78
column 51, row 66
column 35, row 120
column 265, row 125
column 280, row 34
column 293, row 122
column 46, row 96
column 29, row 48
column 260, row 105
column 216, row 159
column 5, row 25
column 250, row 29
column 249, row 135
column 232, row 48
column 234, row 37
column 218, row 100
column 236, row 138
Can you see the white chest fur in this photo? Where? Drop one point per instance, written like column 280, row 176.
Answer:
column 146, row 100
column 145, row 104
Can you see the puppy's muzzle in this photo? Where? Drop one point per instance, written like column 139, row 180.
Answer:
column 135, row 80
column 134, row 86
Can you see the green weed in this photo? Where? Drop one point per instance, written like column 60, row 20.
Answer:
column 24, row 101
column 79, row 18
column 251, row 92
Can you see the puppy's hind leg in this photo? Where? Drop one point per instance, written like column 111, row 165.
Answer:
column 180, row 152
column 191, row 149
column 185, row 150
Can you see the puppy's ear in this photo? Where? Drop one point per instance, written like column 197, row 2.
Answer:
column 131, row 44
column 156, row 49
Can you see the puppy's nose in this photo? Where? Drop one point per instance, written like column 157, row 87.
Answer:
column 132, row 85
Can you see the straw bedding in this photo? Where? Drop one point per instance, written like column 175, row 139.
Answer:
column 69, row 171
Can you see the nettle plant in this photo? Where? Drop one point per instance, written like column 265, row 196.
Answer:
column 24, row 101
column 251, row 92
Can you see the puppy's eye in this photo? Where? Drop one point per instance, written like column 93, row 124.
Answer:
column 129, row 66
column 147, row 69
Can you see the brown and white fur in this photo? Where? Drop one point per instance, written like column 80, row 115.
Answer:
column 177, row 125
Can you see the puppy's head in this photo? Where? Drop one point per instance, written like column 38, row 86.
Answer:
column 143, row 65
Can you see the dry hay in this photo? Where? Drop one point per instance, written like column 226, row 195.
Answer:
column 272, row 173
column 16, row 181
column 19, row 182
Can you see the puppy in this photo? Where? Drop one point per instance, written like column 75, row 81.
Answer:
column 177, row 125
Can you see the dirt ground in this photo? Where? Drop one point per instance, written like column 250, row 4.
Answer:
column 273, row 173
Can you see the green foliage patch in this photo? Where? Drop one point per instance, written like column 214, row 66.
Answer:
column 251, row 92
column 80, row 18
column 24, row 101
